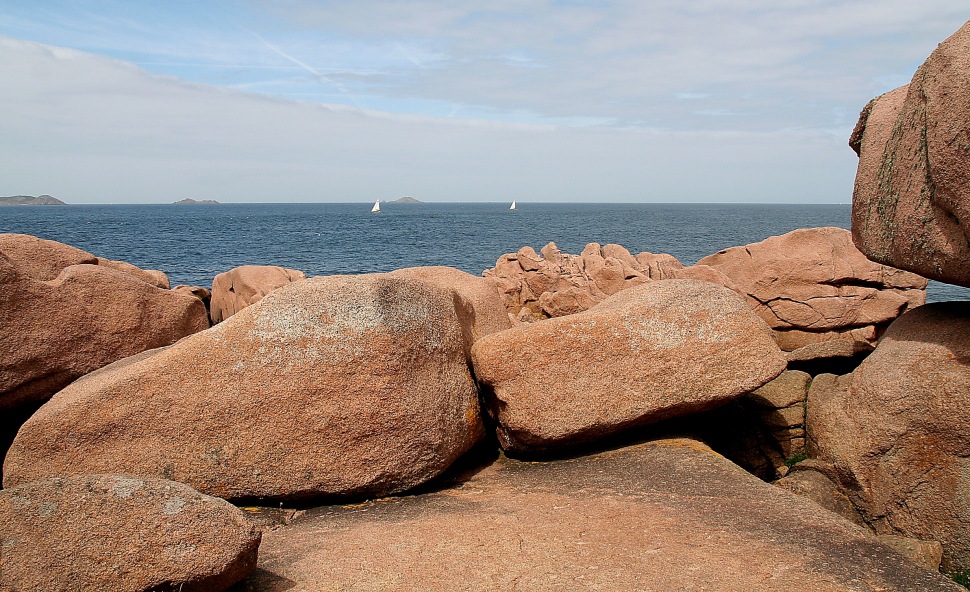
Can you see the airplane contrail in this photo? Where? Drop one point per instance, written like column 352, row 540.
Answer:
column 320, row 77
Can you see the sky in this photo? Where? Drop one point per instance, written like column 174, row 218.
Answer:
column 545, row 100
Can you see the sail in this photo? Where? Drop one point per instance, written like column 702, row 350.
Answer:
column 512, row 207
column 377, row 206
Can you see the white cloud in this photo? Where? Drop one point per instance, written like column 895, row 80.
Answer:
column 743, row 100
column 91, row 129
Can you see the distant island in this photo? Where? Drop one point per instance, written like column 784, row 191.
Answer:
column 30, row 200
column 188, row 201
column 407, row 200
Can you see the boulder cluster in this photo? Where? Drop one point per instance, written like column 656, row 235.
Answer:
column 564, row 422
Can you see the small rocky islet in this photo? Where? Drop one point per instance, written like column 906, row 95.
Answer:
column 785, row 415
column 30, row 200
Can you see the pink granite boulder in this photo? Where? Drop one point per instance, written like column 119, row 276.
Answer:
column 911, row 204
column 109, row 532
column 64, row 314
column 897, row 430
column 648, row 353
column 552, row 284
column 335, row 386
column 813, row 285
column 242, row 286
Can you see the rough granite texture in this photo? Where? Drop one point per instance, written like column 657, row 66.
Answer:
column 648, row 353
column 660, row 516
column 332, row 386
column 65, row 313
column 911, row 204
column 92, row 533
column 897, row 430
column 815, row 280
column 243, row 286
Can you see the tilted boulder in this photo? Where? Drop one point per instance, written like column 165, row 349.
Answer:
column 911, row 204
column 243, row 286
column 812, row 285
column 897, row 430
column 109, row 532
column 554, row 284
column 333, row 386
column 645, row 354
column 59, row 323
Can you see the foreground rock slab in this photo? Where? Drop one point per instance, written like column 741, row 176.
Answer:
column 897, row 430
column 332, row 386
column 106, row 532
column 648, row 353
column 664, row 515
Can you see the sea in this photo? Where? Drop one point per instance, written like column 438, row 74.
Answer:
column 193, row 243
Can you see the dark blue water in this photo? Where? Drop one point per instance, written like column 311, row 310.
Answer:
column 193, row 243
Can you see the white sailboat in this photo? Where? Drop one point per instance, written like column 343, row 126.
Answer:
column 512, row 207
column 377, row 206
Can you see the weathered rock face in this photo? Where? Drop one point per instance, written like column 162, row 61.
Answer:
column 812, row 286
column 56, row 329
column 897, row 430
column 648, row 353
column 911, row 205
column 243, row 286
column 556, row 284
column 334, row 386
column 478, row 305
column 106, row 532
column 780, row 406
column 665, row 515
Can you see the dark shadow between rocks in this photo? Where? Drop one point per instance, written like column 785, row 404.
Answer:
column 840, row 365
column 733, row 430
column 263, row 580
column 10, row 422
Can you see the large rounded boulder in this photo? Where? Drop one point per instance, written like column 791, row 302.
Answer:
column 648, row 353
column 911, row 204
column 333, row 386
column 897, row 430
column 65, row 313
column 108, row 532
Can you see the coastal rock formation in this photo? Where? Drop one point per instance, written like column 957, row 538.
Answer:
column 106, row 532
column 897, row 430
column 203, row 294
column 332, row 386
column 240, row 287
column 44, row 260
column 663, row 515
column 556, row 284
column 911, row 204
column 648, row 353
column 478, row 305
column 64, row 313
column 813, row 286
